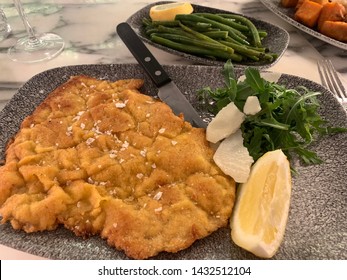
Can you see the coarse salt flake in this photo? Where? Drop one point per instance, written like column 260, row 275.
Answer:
column 90, row 141
column 143, row 152
column 112, row 192
column 120, row 105
column 125, row 145
column 162, row 130
column 157, row 195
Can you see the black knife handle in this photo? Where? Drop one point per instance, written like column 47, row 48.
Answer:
column 143, row 56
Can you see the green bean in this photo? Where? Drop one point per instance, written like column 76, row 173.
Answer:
column 169, row 23
column 192, row 17
column 146, row 22
column 262, row 33
column 217, row 21
column 150, row 30
column 191, row 41
column 199, row 26
column 269, row 56
column 229, row 39
column 216, row 34
column 262, row 49
column 201, row 36
column 243, row 50
column 178, row 31
column 252, row 28
column 232, row 23
column 195, row 50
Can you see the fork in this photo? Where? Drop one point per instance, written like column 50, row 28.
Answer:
column 331, row 80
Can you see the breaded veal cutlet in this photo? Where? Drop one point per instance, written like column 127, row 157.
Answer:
column 103, row 159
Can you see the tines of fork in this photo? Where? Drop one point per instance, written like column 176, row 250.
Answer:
column 331, row 80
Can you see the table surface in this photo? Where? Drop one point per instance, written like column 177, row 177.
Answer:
column 88, row 28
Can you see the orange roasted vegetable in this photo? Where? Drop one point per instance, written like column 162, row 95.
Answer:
column 335, row 29
column 322, row 2
column 289, row 3
column 332, row 12
column 329, row 18
column 308, row 13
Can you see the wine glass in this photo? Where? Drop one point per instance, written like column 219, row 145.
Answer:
column 5, row 28
column 34, row 47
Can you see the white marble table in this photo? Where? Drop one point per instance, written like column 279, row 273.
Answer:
column 88, row 28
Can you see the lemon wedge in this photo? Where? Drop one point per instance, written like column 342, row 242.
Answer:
column 261, row 210
column 167, row 12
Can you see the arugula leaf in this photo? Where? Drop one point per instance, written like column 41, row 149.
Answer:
column 254, row 80
column 288, row 119
column 229, row 74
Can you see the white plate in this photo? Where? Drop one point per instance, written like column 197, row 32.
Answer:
column 288, row 15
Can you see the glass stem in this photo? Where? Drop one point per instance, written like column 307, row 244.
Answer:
column 29, row 29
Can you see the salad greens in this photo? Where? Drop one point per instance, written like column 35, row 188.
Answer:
column 288, row 119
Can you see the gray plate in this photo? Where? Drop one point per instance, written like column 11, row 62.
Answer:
column 277, row 40
column 317, row 225
column 287, row 14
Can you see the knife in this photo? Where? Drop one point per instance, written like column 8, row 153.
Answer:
column 168, row 91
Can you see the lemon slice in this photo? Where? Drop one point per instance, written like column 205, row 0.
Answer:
column 261, row 210
column 166, row 12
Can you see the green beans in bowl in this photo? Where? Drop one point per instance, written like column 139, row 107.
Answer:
column 212, row 36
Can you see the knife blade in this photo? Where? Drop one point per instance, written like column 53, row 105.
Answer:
column 168, row 91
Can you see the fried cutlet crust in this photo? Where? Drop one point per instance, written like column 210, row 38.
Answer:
column 99, row 157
